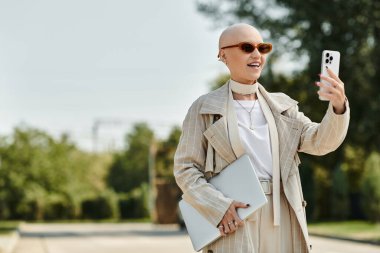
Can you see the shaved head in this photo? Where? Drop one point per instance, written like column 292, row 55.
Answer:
column 237, row 33
column 245, row 67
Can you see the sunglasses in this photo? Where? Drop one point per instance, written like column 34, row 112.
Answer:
column 248, row 48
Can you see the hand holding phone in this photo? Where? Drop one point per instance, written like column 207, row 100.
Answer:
column 331, row 87
column 331, row 60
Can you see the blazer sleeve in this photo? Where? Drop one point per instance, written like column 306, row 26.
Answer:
column 327, row 136
column 189, row 162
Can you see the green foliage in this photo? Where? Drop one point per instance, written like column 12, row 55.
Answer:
column 135, row 203
column 165, row 155
column 303, row 29
column 130, row 169
column 59, row 206
column 219, row 81
column 102, row 206
column 322, row 181
column 371, row 187
column 339, row 195
column 7, row 227
column 44, row 178
column 355, row 230
column 354, row 159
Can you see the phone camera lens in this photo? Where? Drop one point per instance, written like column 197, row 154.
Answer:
column 327, row 60
column 327, row 54
column 331, row 58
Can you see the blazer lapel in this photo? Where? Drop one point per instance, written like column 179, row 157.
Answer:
column 216, row 134
column 216, row 104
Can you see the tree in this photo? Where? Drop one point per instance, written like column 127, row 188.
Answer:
column 165, row 155
column 130, row 168
column 301, row 30
column 305, row 28
column 46, row 178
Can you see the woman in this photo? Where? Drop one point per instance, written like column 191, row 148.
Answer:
column 242, row 117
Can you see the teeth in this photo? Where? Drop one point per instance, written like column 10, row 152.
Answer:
column 254, row 65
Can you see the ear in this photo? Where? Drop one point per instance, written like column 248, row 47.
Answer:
column 222, row 56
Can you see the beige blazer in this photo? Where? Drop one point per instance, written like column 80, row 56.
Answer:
column 202, row 138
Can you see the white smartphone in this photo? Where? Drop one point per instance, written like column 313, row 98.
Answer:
column 331, row 60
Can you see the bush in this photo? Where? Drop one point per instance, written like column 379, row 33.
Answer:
column 103, row 206
column 58, row 207
column 135, row 204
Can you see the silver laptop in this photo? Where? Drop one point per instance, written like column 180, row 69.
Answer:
column 238, row 181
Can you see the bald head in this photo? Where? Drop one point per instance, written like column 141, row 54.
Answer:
column 238, row 60
column 238, row 33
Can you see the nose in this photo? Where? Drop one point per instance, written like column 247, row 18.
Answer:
column 256, row 52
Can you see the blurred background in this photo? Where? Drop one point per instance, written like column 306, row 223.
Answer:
column 93, row 95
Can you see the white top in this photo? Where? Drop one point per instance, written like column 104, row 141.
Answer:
column 257, row 141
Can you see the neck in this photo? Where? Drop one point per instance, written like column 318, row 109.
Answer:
column 237, row 96
column 243, row 81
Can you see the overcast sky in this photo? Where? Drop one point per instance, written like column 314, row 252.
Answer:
column 66, row 64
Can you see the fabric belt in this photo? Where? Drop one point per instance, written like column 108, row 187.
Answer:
column 267, row 186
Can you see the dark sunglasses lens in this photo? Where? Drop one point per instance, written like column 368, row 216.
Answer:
column 264, row 48
column 248, row 48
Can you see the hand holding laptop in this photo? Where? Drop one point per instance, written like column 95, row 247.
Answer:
column 231, row 220
column 238, row 181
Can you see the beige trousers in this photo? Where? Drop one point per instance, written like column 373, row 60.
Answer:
column 258, row 235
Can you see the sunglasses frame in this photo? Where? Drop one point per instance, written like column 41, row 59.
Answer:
column 255, row 45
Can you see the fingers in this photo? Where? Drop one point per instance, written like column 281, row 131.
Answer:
column 334, row 80
column 326, row 91
column 221, row 230
column 231, row 220
column 334, row 92
column 226, row 227
column 326, row 95
column 330, row 80
column 237, row 220
column 326, row 87
column 333, row 75
column 337, row 90
column 335, row 95
column 232, row 226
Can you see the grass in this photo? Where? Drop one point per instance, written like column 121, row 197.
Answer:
column 357, row 230
column 6, row 227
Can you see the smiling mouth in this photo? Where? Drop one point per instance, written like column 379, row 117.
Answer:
column 254, row 65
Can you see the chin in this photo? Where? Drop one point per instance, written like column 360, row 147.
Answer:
column 254, row 78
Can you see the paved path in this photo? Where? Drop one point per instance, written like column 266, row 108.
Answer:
column 131, row 238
